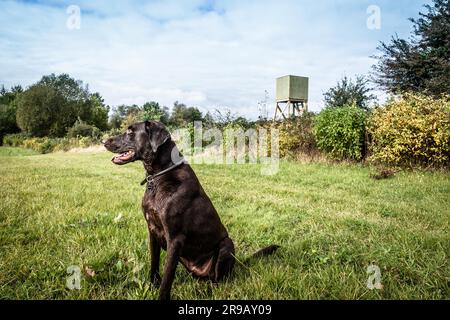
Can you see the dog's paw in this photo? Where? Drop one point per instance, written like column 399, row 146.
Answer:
column 164, row 296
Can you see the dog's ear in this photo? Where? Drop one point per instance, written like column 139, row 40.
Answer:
column 157, row 134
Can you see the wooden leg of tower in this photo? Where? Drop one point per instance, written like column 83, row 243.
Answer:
column 282, row 113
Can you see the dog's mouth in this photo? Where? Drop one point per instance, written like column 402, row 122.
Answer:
column 124, row 157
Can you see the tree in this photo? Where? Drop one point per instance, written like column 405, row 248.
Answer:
column 347, row 92
column 74, row 98
column 7, row 120
column 242, row 122
column 420, row 64
column 8, row 108
column 115, row 121
column 122, row 112
column 182, row 115
column 99, row 112
column 153, row 111
column 208, row 120
column 53, row 104
column 7, row 97
column 124, row 115
column 131, row 118
column 224, row 117
column 37, row 110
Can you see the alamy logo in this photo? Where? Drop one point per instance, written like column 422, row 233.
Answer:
column 232, row 146
column 374, row 19
column 374, row 280
column 73, row 281
column 74, row 19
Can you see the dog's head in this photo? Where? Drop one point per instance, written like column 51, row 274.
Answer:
column 139, row 141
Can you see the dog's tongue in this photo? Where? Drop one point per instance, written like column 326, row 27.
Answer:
column 118, row 159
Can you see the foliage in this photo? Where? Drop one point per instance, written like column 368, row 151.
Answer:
column 115, row 121
column 420, row 64
column 124, row 110
column 182, row 115
column 46, row 144
column 7, row 119
column 129, row 120
column 8, row 108
column 413, row 130
column 41, row 145
column 111, row 133
column 341, row 132
column 14, row 139
column 52, row 105
column 85, row 142
column 124, row 115
column 153, row 111
column 82, row 129
column 295, row 135
column 224, row 118
column 347, row 93
column 99, row 112
column 8, row 96
column 35, row 113
column 208, row 120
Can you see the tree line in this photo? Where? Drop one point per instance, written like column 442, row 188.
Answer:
column 57, row 103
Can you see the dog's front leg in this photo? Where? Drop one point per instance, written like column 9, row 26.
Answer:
column 155, row 252
column 173, row 254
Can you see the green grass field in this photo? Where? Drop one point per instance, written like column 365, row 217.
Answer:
column 332, row 222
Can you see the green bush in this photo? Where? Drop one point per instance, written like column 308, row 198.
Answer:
column 65, row 144
column 46, row 144
column 41, row 145
column 85, row 142
column 32, row 143
column 7, row 119
column 295, row 135
column 82, row 129
column 111, row 133
column 340, row 132
column 14, row 139
column 411, row 131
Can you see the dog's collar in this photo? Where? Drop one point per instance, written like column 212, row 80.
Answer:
column 149, row 178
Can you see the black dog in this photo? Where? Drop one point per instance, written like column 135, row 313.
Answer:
column 181, row 218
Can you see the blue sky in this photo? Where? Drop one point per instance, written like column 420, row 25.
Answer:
column 209, row 54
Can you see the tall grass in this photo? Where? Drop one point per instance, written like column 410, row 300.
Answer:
column 332, row 222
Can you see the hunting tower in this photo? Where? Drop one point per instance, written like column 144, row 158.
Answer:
column 291, row 96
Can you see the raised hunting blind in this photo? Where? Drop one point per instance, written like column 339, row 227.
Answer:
column 291, row 96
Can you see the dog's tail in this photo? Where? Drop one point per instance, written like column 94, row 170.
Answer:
column 267, row 251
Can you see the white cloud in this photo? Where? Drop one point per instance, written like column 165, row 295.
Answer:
column 203, row 53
